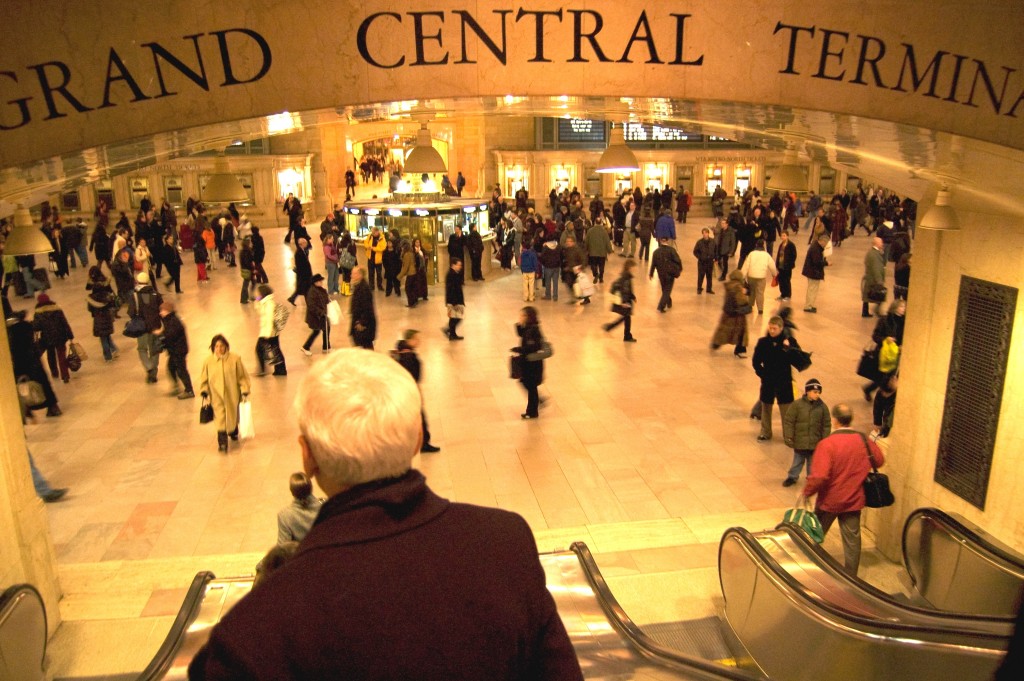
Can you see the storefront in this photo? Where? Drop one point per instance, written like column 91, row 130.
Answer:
column 431, row 221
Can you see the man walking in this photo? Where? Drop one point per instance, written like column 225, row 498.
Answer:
column 785, row 263
column 725, row 244
column 665, row 227
column 454, row 300
column 840, row 464
column 806, row 423
column 772, row 364
column 758, row 266
column 405, row 354
column 669, row 266
column 175, row 342
column 814, row 270
column 145, row 303
column 705, row 251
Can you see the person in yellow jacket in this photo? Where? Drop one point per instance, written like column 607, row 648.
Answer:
column 375, row 245
column 225, row 383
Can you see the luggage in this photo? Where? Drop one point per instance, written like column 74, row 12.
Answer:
column 42, row 276
column 806, row 520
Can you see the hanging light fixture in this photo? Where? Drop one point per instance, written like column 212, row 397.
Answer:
column 618, row 158
column 223, row 186
column 26, row 238
column 789, row 177
column 424, row 158
column 941, row 216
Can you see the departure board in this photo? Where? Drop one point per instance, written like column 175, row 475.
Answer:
column 580, row 131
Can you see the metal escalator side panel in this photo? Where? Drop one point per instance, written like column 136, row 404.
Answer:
column 170, row 649
column 957, row 568
column 219, row 596
column 23, row 634
column 792, row 638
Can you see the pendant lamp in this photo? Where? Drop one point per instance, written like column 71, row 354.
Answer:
column 941, row 216
column 618, row 158
column 424, row 157
column 26, row 238
column 223, row 186
column 789, row 177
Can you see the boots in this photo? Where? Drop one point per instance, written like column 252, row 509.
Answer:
column 864, row 311
column 222, row 441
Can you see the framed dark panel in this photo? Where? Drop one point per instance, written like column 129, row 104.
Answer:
column 974, row 388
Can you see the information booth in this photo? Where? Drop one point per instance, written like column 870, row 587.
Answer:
column 429, row 217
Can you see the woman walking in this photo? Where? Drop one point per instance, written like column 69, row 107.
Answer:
column 54, row 332
column 331, row 263
column 102, row 305
column 623, row 288
column 732, row 325
column 531, row 351
column 317, row 301
column 172, row 259
column 268, row 345
column 225, row 383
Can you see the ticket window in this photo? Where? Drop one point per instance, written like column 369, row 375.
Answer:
column 655, row 176
column 684, row 177
column 563, row 178
column 138, row 189
column 713, row 179
column 173, row 191
column 516, row 178
column 623, row 183
column 743, row 175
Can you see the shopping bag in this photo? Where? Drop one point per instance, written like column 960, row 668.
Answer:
column 246, row 427
column 334, row 312
column 775, row 280
column 888, row 356
column 805, row 519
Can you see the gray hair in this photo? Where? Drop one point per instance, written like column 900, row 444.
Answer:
column 360, row 415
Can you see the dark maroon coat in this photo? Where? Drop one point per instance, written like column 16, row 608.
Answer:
column 394, row 582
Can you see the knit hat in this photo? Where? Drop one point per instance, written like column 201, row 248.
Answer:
column 142, row 278
column 317, row 277
column 43, row 299
column 812, row 384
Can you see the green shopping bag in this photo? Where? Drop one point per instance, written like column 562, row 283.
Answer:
column 807, row 521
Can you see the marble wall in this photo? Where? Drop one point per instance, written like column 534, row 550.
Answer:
column 989, row 246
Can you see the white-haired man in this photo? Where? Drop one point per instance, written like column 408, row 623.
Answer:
column 392, row 581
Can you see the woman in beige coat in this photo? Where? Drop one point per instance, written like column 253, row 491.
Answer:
column 225, row 383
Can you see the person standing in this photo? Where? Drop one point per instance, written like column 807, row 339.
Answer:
column 172, row 260
column 293, row 209
column 623, row 288
column 407, row 273
column 683, row 204
column 145, row 302
column 454, row 300
column 839, row 466
column 460, row 183
column 246, row 269
column 225, row 383
column 725, row 246
column 296, row 519
column 706, row 252
column 599, row 247
column 259, row 253
column 785, row 263
column 475, row 245
column 668, row 266
column 531, row 350
column 758, row 266
column 405, row 354
column 646, row 227
column 303, row 270
column 102, row 306
column 331, row 262
column 54, row 333
column 175, row 342
column 872, row 286
column 732, row 325
column 363, row 318
column 665, row 227
column 317, row 300
column 375, row 244
column 529, row 265
column 573, row 260
column 551, row 263
column 814, row 270
column 630, row 229
column 392, row 261
column 268, row 344
column 805, row 425
column 773, row 365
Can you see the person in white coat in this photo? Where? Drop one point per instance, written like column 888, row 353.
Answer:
column 758, row 266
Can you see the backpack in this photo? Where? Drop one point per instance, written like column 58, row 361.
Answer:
column 346, row 260
column 281, row 314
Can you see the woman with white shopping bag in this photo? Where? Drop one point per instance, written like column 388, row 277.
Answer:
column 224, row 385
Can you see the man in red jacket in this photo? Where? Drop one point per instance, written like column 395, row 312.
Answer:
column 840, row 464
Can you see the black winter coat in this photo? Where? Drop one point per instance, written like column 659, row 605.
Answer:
column 531, row 341
column 814, row 262
column 101, row 306
column 175, row 338
column 52, row 326
column 453, row 288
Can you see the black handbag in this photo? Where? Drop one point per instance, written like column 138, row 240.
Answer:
column 868, row 365
column 74, row 361
column 135, row 327
column 876, row 485
column 877, row 293
column 206, row 411
column 515, row 367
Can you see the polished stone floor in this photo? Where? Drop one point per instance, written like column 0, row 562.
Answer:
column 645, row 451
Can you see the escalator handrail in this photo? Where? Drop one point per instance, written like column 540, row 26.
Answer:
column 161, row 662
column 635, row 635
column 825, row 560
column 766, row 563
column 966, row 536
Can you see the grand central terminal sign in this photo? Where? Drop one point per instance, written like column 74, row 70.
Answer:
column 73, row 77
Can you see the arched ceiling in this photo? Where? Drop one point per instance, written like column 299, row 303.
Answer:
column 912, row 161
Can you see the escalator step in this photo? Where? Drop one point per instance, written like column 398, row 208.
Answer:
column 699, row 638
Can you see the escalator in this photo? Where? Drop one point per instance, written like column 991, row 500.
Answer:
column 956, row 567
column 802, row 617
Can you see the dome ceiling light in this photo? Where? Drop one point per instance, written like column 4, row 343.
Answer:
column 941, row 216
column 224, row 187
column 25, row 238
column 618, row 158
column 424, row 158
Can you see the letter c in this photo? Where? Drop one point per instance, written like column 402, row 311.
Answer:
column 22, row 104
column 364, row 51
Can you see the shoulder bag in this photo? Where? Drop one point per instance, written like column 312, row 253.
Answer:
column 876, row 485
